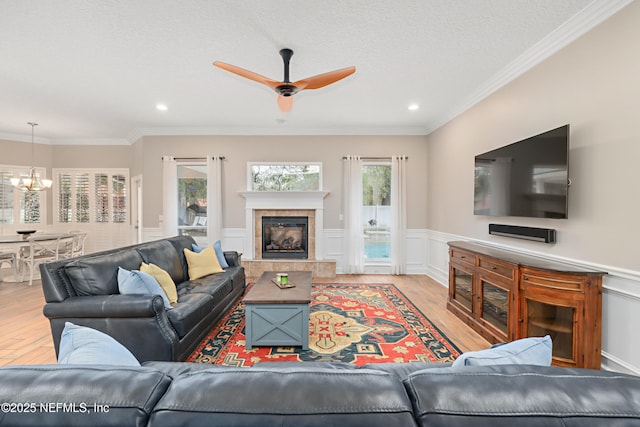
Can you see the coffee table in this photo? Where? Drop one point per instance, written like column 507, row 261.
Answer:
column 278, row 317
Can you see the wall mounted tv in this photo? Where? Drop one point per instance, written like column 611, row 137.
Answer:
column 529, row 178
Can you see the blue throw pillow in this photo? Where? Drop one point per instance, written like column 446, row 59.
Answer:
column 526, row 351
column 138, row 282
column 80, row 345
column 217, row 247
column 220, row 254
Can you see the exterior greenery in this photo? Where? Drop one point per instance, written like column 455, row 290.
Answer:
column 285, row 177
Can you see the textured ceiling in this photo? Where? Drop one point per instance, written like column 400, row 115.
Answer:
column 92, row 71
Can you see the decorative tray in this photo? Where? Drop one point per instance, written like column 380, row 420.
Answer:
column 283, row 285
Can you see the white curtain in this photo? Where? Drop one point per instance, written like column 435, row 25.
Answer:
column 214, row 198
column 352, row 206
column 398, row 214
column 169, row 196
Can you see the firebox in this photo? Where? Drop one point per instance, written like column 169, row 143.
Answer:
column 285, row 237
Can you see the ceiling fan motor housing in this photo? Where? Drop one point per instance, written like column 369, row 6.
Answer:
column 286, row 90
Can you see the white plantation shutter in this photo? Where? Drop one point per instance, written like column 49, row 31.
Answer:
column 82, row 197
column 6, row 197
column 19, row 207
column 96, row 201
column 119, row 196
column 64, row 197
column 101, row 194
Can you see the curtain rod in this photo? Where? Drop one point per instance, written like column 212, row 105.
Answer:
column 376, row 158
column 196, row 158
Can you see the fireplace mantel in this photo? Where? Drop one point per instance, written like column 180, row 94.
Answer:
column 282, row 200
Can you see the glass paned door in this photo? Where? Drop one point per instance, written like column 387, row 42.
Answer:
column 376, row 212
column 555, row 321
column 495, row 306
column 463, row 285
column 192, row 201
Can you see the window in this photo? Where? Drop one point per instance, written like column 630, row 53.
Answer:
column 376, row 210
column 192, row 199
column 284, row 177
column 91, row 196
column 20, row 207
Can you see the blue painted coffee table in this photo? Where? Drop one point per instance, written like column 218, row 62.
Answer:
column 275, row 316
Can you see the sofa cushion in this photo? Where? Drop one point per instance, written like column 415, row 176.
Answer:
column 309, row 396
column 80, row 345
column 189, row 311
column 164, row 280
column 525, row 351
column 98, row 275
column 202, row 263
column 138, row 282
column 523, row 396
column 163, row 254
column 218, row 285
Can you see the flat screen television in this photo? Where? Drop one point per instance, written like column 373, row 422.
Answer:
column 529, row 178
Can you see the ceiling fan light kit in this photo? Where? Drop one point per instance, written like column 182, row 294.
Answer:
column 286, row 89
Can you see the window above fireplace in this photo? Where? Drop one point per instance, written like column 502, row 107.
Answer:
column 281, row 176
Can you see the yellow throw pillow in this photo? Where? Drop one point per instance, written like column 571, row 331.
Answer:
column 203, row 263
column 164, row 280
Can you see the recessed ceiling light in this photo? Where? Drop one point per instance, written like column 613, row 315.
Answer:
column 413, row 107
column 162, row 107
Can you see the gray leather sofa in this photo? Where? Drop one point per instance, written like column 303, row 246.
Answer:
column 162, row 394
column 84, row 291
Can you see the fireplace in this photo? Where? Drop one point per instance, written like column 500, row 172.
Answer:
column 285, row 237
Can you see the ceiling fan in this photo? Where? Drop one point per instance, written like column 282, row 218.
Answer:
column 286, row 89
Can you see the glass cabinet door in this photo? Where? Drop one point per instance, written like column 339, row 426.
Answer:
column 555, row 321
column 462, row 288
column 495, row 306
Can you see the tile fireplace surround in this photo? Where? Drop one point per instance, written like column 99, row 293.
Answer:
column 285, row 203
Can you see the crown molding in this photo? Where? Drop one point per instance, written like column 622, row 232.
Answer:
column 16, row 137
column 232, row 131
column 582, row 22
column 90, row 141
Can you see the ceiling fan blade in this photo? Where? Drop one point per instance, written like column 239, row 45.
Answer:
column 322, row 80
column 247, row 74
column 285, row 103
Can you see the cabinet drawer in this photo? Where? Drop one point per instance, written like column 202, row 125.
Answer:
column 463, row 256
column 551, row 280
column 504, row 269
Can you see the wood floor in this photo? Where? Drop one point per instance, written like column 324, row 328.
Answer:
column 25, row 336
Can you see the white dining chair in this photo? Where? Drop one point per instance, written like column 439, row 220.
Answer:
column 8, row 257
column 42, row 249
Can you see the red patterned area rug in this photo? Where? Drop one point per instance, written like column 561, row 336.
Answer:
column 363, row 323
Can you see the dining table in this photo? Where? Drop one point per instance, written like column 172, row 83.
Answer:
column 14, row 243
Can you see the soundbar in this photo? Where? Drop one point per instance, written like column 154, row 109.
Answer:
column 546, row 235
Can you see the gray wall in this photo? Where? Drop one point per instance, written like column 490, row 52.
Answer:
column 239, row 150
column 591, row 84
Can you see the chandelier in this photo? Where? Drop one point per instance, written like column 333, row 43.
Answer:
column 31, row 182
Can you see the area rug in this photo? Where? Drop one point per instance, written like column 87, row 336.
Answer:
column 353, row 323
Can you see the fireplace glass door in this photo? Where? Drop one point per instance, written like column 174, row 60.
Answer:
column 285, row 237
